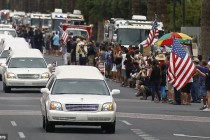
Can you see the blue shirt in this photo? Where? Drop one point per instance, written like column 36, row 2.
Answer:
column 56, row 40
column 205, row 70
column 108, row 58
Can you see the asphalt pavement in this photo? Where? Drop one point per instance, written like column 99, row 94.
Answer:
column 20, row 118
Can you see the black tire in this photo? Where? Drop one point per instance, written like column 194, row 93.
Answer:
column 49, row 126
column 43, row 122
column 6, row 88
column 109, row 127
column 0, row 77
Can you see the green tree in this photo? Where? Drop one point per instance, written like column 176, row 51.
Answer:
column 192, row 17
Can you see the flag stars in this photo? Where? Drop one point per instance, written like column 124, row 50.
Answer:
column 178, row 49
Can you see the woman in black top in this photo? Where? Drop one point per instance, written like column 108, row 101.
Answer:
column 154, row 77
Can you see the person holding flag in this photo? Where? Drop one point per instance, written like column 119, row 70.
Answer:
column 181, row 70
column 63, row 42
column 64, row 35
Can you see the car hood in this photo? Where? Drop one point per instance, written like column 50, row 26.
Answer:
column 28, row 70
column 81, row 99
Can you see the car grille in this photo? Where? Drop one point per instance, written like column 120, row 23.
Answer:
column 28, row 76
column 82, row 107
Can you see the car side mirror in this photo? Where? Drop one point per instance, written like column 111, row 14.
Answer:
column 49, row 65
column 115, row 91
column 45, row 91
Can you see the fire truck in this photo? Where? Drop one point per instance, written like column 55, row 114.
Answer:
column 78, row 30
column 58, row 18
column 40, row 20
column 76, row 25
column 129, row 32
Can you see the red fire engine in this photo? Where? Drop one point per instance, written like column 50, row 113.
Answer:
column 78, row 30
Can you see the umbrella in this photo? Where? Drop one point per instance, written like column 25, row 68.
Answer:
column 167, row 39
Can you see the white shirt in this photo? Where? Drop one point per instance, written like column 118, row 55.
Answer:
column 123, row 59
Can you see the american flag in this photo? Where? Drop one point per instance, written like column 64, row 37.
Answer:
column 64, row 35
column 181, row 68
column 152, row 34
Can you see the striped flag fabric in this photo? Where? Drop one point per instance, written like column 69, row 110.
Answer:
column 181, row 68
column 152, row 34
column 64, row 35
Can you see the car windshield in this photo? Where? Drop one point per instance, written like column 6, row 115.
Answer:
column 77, row 32
column 5, row 54
column 80, row 86
column 56, row 23
column 127, row 36
column 8, row 32
column 27, row 63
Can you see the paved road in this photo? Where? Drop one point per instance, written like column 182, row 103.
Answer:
column 136, row 120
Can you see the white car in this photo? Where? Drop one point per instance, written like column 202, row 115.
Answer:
column 25, row 69
column 8, row 31
column 78, row 95
column 9, row 45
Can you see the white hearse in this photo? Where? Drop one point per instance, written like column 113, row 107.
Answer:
column 78, row 95
column 25, row 69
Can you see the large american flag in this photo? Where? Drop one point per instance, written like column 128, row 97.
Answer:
column 64, row 35
column 181, row 68
column 152, row 34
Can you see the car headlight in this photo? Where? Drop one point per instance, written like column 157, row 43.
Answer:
column 45, row 75
column 11, row 75
column 108, row 107
column 56, row 106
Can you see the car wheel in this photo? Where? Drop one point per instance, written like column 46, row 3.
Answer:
column 109, row 127
column 0, row 77
column 6, row 88
column 43, row 122
column 49, row 126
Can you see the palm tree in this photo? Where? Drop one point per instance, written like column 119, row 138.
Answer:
column 205, row 28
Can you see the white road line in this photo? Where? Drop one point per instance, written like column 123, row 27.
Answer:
column 149, row 138
column 189, row 136
column 139, row 133
column 13, row 123
column 21, row 134
column 144, row 135
column 127, row 123
column 135, row 130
